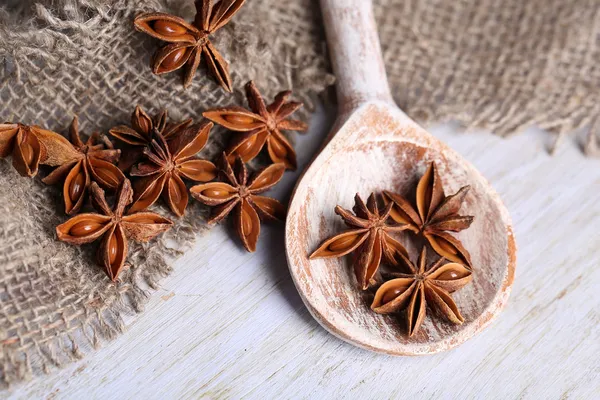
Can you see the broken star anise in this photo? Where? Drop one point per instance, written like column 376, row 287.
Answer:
column 421, row 287
column 82, row 164
column 22, row 142
column 369, row 236
column 436, row 213
column 167, row 163
column 261, row 125
column 115, row 226
column 143, row 129
column 188, row 43
column 241, row 196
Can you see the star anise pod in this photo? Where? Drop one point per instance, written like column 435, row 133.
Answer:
column 83, row 163
column 167, row 163
column 189, row 42
column 242, row 196
column 143, row 129
column 421, row 287
column 114, row 226
column 22, row 142
column 436, row 213
column 261, row 125
column 369, row 235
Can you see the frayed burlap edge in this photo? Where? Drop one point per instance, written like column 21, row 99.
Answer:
column 496, row 65
column 66, row 57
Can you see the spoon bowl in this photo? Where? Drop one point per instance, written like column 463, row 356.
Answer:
column 374, row 146
column 393, row 155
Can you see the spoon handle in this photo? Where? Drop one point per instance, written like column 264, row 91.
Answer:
column 355, row 53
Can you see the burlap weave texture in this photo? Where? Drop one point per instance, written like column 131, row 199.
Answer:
column 496, row 65
column 66, row 57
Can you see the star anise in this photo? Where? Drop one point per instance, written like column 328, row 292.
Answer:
column 422, row 287
column 189, row 42
column 143, row 129
column 369, row 236
column 241, row 196
column 261, row 125
column 436, row 213
column 82, row 164
column 21, row 141
column 167, row 163
column 114, row 226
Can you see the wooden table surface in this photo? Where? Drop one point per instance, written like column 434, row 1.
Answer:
column 229, row 324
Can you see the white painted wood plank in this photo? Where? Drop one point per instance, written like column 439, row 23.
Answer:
column 228, row 324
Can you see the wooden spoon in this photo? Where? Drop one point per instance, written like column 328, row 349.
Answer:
column 375, row 146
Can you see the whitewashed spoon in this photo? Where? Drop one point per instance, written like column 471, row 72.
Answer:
column 375, row 146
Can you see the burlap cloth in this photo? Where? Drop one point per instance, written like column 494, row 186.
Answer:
column 501, row 65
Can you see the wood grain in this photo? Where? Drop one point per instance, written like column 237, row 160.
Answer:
column 377, row 149
column 374, row 147
column 230, row 325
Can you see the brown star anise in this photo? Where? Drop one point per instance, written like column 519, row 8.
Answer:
column 369, row 234
column 115, row 226
column 422, row 287
column 82, row 164
column 241, row 196
column 436, row 214
column 22, row 142
column 261, row 125
column 143, row 129
column 167, row 163
column 189, row 42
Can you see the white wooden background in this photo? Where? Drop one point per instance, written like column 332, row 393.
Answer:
column 228, row 324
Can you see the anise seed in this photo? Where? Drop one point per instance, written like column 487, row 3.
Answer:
column 77, row 186
column 246, row 222
column 392, row 294
column 173, row 58
column 144, row 220
column 246, row 146
column 343, row 243
column 238, row 119
column 263, row 179
column 268, row 208
column 176, row 193
column 279, row 149
column 168, row 28
column 215, row 193
column 27, row 151
column 84, row 228
column 449, row 275
column 112, row 249
column 199, row 172
column 144, row 124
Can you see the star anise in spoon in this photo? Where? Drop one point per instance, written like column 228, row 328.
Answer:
column 141, row 133
column 369, row 236
column 22, row 142
column 167, row 163
column 83, row 163
column 188, row 43
column 115, row 226
column 421, row 287
column 436, row 214
column 263, row 124
column 242, row 196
